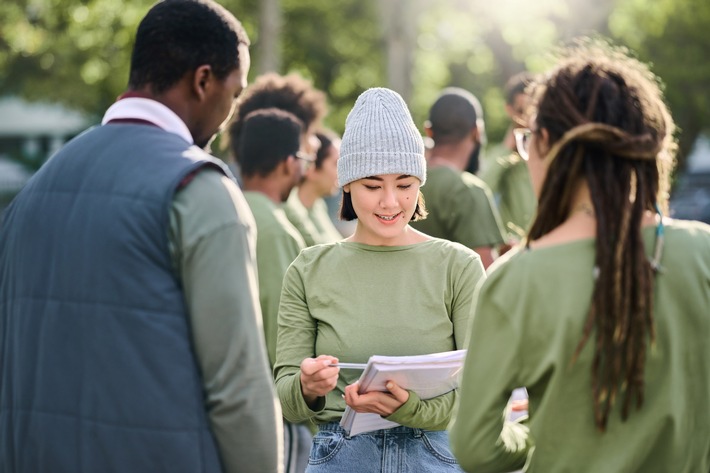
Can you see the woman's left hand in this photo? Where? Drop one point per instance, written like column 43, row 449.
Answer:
column 376, row 402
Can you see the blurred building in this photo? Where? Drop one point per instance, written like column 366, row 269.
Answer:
column 29, row 134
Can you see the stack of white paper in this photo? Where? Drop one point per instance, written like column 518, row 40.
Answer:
column 427, row 375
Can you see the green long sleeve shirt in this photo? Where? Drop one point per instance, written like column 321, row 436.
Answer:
column 529, row 318
column 352, row 301
column 211, row 239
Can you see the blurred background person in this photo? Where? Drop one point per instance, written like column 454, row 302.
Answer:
column 609, row 320
column 296, row 96
column 270, row 168
column 291, row 93
column 506, row 173
column 460, row 205
column 306, row 207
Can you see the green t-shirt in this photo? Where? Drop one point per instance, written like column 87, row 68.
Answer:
column 461, row 209
column 509, row 181
column 352, row 301
column 277, row 245
column 528, row 319
column 313, row 224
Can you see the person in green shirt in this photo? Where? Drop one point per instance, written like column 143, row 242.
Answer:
column 305, row 207
column 603, row 315
column 387, row 289
column 291, row 93
column 460, row 205
column 505, row 172
column 270, row 168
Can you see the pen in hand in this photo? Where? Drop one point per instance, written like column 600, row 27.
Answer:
column 349, row 366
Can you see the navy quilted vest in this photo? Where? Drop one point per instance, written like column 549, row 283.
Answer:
column 97, row 371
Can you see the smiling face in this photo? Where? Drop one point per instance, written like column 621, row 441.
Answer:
column 384, row 206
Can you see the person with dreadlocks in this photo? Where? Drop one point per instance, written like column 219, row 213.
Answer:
column 609, row 318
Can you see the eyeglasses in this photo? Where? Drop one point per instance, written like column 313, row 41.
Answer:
column 306, row 160
column 522, row 141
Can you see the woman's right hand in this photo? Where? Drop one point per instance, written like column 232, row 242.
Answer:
column 318, row 378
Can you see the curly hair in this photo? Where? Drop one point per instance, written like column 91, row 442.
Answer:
column 291, row 93
column 608, row 125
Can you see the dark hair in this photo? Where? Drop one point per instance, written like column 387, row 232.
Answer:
column 177, row 36
column 608, row 125
column 516, row 85
column 326, row 138
column 453, row 115
column 292, row 93
column 347, row 212
column 259, row 153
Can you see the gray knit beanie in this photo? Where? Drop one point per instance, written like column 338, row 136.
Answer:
column 380, row 138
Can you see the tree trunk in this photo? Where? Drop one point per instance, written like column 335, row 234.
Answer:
column 269, row 46
column 398, row 20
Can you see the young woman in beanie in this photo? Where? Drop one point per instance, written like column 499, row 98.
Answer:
column 386, row 290
column 609, row 321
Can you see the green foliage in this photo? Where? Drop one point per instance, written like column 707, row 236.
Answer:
column 71, row 52
column 77, row 52
column 673, row 37
column 338, row 45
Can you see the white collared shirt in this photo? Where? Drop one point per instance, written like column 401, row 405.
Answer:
column 138, row 108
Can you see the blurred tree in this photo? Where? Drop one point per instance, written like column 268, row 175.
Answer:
column 77, row 52
column 398, row 22
column 673, row 37
column 270, row 21
column 67, row 51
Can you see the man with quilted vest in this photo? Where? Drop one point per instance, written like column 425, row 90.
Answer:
column 130, row 328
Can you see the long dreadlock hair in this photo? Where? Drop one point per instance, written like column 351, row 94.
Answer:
column 608, row 125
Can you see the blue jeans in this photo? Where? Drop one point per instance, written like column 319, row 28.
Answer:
column 397, row 450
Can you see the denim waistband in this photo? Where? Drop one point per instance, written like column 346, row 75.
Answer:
column 399, row 430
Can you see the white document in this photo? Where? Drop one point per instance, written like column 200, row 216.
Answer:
column 427, row 375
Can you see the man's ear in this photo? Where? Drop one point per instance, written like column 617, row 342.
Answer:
column 202, row 81
column 286, row 165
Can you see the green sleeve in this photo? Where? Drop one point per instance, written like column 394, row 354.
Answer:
column 211, row 240
column 296, row 342
column 436, row 413
column 481, row 439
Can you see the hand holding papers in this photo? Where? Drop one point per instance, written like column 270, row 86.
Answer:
column 427, row 375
